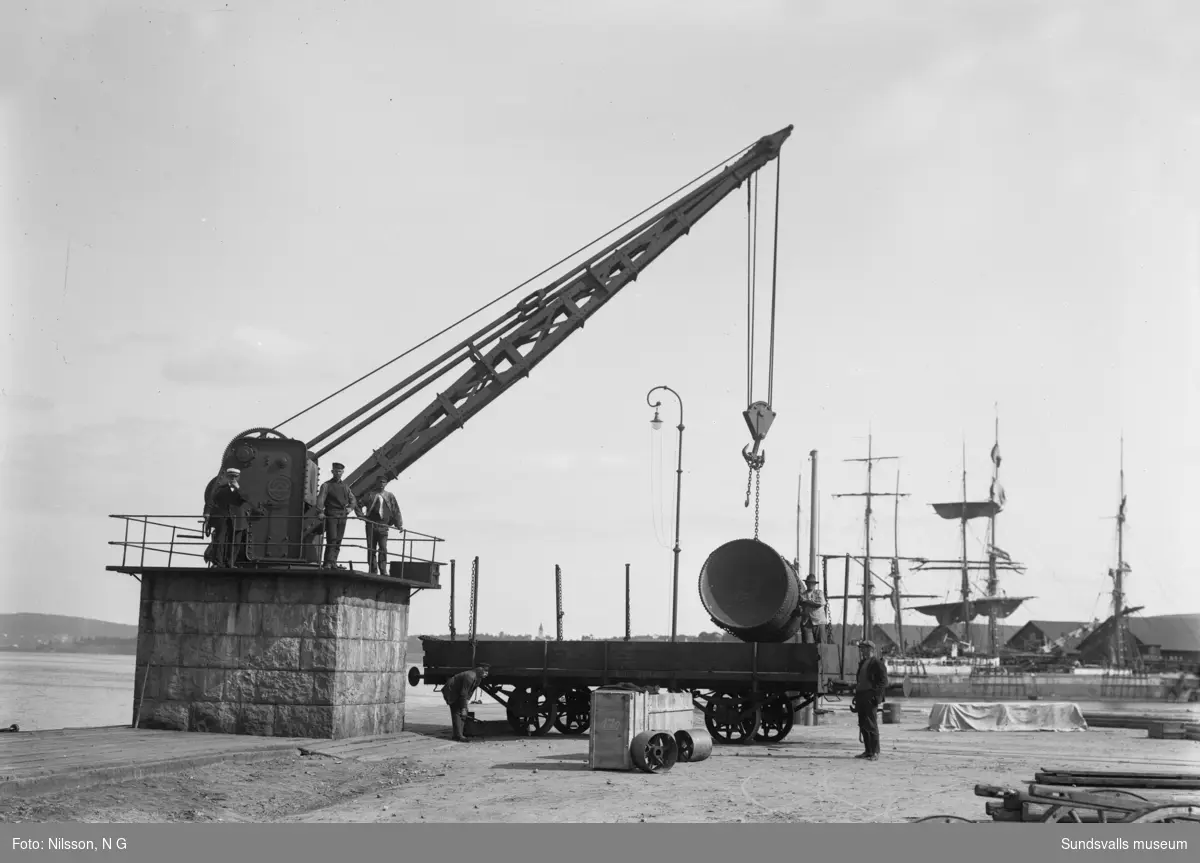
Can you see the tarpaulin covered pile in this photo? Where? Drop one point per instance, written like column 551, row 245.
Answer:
column 1042, row 716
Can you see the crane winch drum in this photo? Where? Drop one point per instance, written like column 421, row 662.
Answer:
column 751, row 591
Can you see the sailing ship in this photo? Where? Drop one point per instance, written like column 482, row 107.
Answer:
column 993, row 605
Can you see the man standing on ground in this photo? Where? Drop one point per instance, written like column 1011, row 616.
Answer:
column 381, row 510
column 869, row 692
column 457, row 694
column 334, row 503
column 813, row 620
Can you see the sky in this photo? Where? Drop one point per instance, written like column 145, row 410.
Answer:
column 213, row 218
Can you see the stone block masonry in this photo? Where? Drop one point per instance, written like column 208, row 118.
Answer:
column 291, row 654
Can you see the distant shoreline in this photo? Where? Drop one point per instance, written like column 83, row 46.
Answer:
column 74, row 650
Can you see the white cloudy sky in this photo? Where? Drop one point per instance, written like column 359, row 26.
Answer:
column 982, row 203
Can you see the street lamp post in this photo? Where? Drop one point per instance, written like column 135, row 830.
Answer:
column 656, row 424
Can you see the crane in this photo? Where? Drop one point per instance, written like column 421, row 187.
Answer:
column 280, row 474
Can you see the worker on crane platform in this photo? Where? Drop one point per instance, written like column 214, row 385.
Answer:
column 335, row 501
column 378, row 510
column 224, row 518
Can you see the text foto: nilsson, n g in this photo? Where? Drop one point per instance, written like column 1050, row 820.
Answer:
column 57, row 843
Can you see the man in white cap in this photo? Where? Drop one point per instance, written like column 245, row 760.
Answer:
column 379, row 510
column 813, row 619
column 335, row 501
column 224, row 517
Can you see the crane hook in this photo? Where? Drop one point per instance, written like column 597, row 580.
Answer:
column 759, row 417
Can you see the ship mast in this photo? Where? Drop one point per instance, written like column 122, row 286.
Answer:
column 993, row 579
column 896, row 595
column 868, row 617
column 966, row 582
column 1118, row 577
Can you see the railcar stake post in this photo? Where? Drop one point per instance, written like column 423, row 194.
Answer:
column 845, row 616
column 452, row 635
column 628, row 631
column 558, row 617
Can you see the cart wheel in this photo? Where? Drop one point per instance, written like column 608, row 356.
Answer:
column 777, row 719
column 1165, row 815
column 531, row 711
column 731, row 718
column 654, row 751
column 574, row 711
column 943, row 819
column 694, row 745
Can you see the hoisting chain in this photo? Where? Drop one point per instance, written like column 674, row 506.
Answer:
column 757, row 481
column 474, row 583
column 755, row 475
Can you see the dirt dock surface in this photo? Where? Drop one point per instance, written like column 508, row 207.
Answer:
column 811, row 776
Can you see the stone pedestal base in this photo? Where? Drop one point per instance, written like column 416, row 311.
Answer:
column 286, row 653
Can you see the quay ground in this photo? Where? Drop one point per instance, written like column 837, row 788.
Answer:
column 422, row 776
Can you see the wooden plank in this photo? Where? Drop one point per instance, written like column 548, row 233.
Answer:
column 1184, row 781
column 795, row 658
column 124, row 771
column 39, row 762
column 1110, row 774
column 575, row 654
column 1058, row 796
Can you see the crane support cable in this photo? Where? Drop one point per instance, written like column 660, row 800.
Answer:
column 752, row 285
column 774, row 273
column 749, row 292
column 751, row 279
column 491, row 303
column 464, row 350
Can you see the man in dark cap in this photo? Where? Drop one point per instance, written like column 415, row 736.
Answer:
column 335, row 501
column 457, row 694
column 224, row 518
column 813, row 619
column 869, row 691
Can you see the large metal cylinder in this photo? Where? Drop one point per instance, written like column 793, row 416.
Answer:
column 751, row 591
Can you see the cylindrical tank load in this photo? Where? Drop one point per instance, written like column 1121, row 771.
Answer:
column 751, row 591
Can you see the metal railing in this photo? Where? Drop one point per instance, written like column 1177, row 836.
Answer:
column 182, row 536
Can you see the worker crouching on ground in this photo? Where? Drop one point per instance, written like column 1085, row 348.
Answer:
column 813, row 621
column 869, row 694
column 457, row 694
column 379, row 510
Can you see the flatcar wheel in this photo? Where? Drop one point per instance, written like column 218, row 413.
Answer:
column 731, row 718
column 574, row 711
column 532, row 711
column 777, row 720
